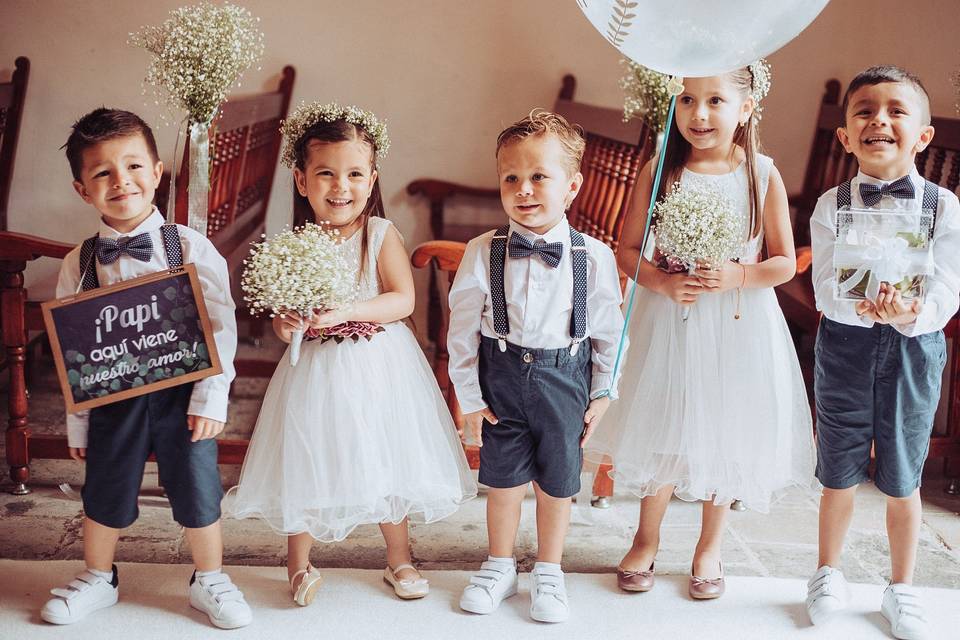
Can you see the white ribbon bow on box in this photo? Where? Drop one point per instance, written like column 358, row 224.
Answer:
column 886, row 259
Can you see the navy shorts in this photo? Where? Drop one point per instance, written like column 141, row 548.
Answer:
column 875, row 387
column 539, row 397
column 123, row 434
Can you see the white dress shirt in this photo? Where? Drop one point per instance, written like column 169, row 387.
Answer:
column 209, row 397
column 539, row 304
column 943, row 286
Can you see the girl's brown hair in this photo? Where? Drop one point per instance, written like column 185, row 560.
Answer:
column 337, row 131
column 677, row 151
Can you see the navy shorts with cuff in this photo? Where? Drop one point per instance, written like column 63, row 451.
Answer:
column 539, row 397
column 121, row 437
column 875, row 387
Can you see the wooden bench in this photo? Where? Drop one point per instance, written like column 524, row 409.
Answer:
column 828, row 166
column 245, row 143
column 614, row 154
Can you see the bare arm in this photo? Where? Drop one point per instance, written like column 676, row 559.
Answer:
column 680, row 287
column 397, row 300
column 781, row 262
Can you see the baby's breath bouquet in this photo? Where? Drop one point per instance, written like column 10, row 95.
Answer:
column 698, row 227
column 200, row 52
column 300, row 270
column 645, row 94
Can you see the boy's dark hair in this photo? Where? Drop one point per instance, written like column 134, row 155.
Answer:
column 101, row 125
column 888, row 73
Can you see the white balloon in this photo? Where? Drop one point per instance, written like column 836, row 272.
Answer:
column 696, row 38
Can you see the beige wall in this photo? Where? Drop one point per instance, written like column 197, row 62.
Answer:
column 446, row 74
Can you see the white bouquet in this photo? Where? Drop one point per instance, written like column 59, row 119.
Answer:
column 300, row 270
column 697, row 227
column 199, row 53
column 646, row 94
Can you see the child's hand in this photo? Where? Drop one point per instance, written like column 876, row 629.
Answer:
column 203, row 428
column 717, row 280
column 682, row 288
column 893, row 309
column 330, row 318
column 78, row 453
column 592, row 417
column 286, row 322
column 473, row 424
column 865, row 309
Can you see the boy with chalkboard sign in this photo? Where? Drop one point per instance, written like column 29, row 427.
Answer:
column 113, row 157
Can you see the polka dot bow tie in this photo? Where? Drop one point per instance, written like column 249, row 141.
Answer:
column 549, row 252
column 902, row 188
column 139, row 247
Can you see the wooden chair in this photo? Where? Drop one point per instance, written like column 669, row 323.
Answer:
column 12, row 96
column 614, row 154
column 828, row 166
column 246, row 145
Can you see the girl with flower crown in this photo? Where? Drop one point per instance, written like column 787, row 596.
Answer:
column 713, row 406
column 357, row 432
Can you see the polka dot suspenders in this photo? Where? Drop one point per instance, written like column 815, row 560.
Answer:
column 88, row 258
column 578, row 259
column 929, row 200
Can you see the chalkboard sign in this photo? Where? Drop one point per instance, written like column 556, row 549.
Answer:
column 131, row 338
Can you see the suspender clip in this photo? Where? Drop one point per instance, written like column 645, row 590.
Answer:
column 502, row 343
column 575, row 347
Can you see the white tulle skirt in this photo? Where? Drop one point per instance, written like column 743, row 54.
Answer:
column 715, row 406
column 356, row 433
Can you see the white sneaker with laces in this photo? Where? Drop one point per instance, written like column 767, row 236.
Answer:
column 548, row 593
column 220, row 599
column 903, row 610
column 84, row 594
column 827, row 593
column 489, row 587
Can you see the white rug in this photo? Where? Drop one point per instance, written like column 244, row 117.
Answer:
column 356, row 605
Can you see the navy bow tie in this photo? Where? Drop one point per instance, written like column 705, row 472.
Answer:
column 901, row 188
column 139, row 247
column 549, row 252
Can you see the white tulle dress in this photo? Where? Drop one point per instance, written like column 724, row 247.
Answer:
column 357, row 432
column 715, row 406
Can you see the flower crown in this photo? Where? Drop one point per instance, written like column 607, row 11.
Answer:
column 308, row 115
column 760, row 85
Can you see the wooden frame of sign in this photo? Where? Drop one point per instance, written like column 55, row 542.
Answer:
column 94, row 339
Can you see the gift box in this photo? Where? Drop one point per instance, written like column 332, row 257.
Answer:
column 882, row 246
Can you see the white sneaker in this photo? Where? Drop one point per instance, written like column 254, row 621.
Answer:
column 85, row 594
column 827, row 593
column 220, row 599
column 489, row 586
column 903, row 610
column 548, row 594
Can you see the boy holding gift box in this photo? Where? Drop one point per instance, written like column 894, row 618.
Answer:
column 879, row 360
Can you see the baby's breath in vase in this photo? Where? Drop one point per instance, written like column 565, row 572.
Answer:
column 697, row 227
column 200, row 52
column 300, row 270
column 646, row 95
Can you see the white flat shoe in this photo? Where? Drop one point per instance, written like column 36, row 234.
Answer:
column 406, row 589
column 304, row 594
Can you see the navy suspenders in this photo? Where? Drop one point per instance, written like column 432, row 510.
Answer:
column 578, row 260
column 930, row 198
column 88, row 257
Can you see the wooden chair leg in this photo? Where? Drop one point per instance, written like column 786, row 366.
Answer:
column 602, row 487
column 12, row 302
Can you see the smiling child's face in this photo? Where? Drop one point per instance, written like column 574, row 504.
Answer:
column 887, row 124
